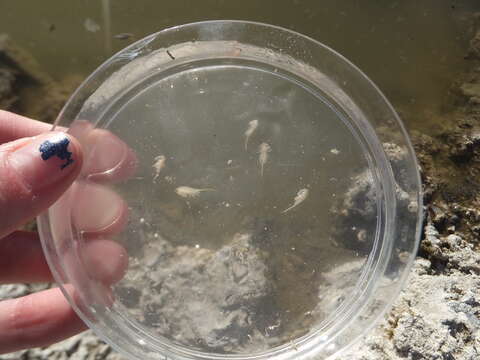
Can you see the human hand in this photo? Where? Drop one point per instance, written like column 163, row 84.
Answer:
column 36, row 168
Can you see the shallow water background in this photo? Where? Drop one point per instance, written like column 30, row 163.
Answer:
column 411, row 49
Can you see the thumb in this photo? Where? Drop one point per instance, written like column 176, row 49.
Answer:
column 34, row 172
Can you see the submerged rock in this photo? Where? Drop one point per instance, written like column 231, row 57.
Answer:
column 25, row 88
column 436, row 317
column 356, row 211
column 202, row 298
column 7, row 96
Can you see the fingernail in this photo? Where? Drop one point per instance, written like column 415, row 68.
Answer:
column 98, row 210
column 107, row 151
column 105, row 260
column 46, row 159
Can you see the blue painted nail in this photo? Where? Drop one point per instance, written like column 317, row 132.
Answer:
column 57, row 148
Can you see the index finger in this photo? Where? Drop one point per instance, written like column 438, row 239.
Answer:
column 13, row 127
column 38, row 319
column 110, row 159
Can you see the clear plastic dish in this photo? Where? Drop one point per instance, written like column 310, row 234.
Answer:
column 247, row 193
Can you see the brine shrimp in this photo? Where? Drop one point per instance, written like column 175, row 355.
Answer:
column 252, row 126
column 301, row 196
column 294, row 345
column 158, row 165
column 263, row 151
column 188, row 192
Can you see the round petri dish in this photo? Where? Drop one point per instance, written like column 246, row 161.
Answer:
column 246, row 193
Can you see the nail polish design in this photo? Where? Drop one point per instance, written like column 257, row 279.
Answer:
column 57, row 148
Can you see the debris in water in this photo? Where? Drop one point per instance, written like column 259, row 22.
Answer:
column 170, row 55
column 189, row 192
column 91, row 25
column 252, row 126
column 301, row 197
column 169, row 179
column 123, row 36
column 263, row 150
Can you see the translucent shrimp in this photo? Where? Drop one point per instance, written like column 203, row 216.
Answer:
column 301, row 196
column 263, row 151
column 158, row 165
column 252, row 126
column 188, row 192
